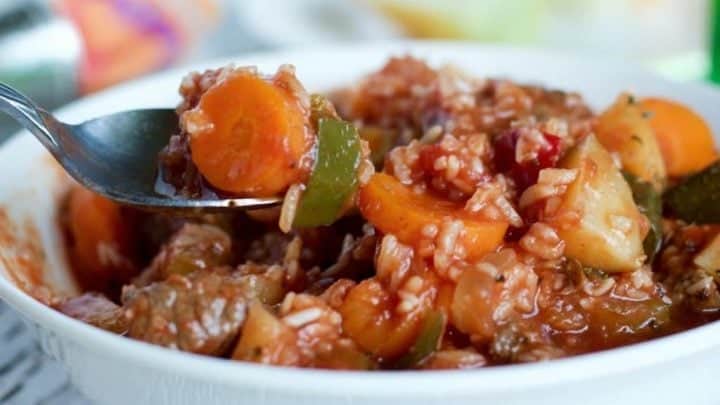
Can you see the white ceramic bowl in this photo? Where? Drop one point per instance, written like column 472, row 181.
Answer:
column 113, row 370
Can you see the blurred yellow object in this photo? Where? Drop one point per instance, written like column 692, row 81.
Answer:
column 466, row 19
column 667, row 34
column 419, row 22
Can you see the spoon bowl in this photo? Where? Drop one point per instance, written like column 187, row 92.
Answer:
column 116, row 155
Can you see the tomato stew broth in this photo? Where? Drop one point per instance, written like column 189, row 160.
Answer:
column 471, row 222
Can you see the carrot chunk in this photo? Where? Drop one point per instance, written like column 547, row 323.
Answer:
column 102, row 249
column 248, row 136
column 370, row 319
column 685, row 139
column 396, row 209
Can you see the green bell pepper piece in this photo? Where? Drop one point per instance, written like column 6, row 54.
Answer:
column 426, row 343
column 334, row 177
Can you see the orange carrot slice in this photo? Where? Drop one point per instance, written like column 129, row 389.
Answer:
column 394, row 208
column 685, row 139
column 248, row 136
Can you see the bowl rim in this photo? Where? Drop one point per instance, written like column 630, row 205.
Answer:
column 374, row 384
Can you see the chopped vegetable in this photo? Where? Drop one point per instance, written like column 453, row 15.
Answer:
column 598, row 219
column 102, row 249
column 709, row 257
column 248, row 136
column 525, row 174
column 625, row 130
column 685, row 139
column 344, row 358
column 580, row 274
column 380, row 140
column 396, row 209
column 370, row 319
column 427, row 342
column 266, row 339
column 614, row 321
column 697, row 199
column 334, row 178
column 473, row 304
column 650, row 204
column 263, row 283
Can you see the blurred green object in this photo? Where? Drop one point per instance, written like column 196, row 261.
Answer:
column 715, row 41
column 688, row 66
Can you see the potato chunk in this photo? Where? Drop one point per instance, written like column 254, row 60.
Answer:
column 265, row 339
column 598, row 219
column 625, row 129
column 709, row 257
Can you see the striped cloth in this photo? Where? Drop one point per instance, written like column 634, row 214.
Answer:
column 27, row 376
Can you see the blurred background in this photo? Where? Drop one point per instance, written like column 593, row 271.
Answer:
column 58, row 50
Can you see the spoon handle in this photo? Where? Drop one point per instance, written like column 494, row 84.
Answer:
column 29, row 115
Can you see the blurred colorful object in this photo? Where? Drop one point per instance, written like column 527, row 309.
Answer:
column 57, row 50
column 125, row 38
column 668, row 36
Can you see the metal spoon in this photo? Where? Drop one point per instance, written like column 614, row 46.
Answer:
column 115, row 155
